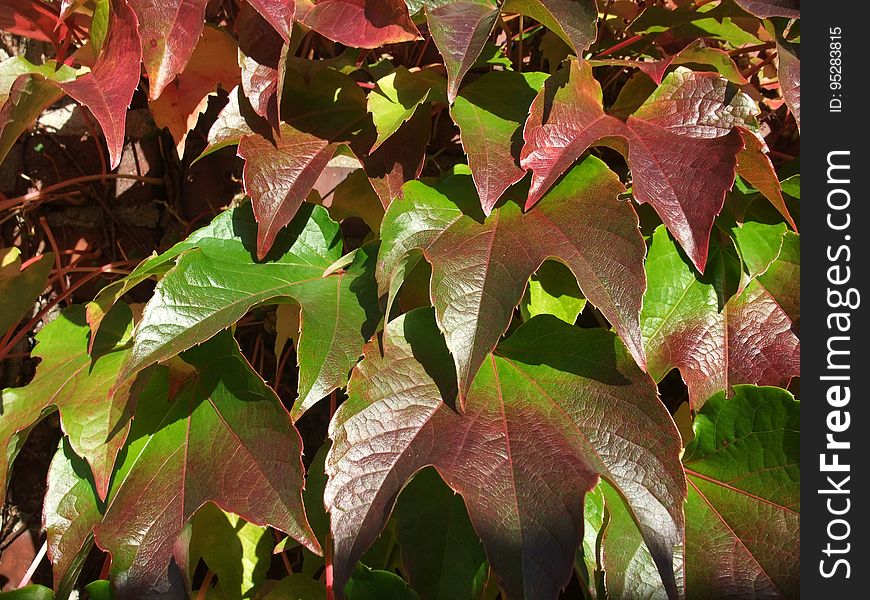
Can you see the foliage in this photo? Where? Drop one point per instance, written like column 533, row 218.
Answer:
column 563, row 224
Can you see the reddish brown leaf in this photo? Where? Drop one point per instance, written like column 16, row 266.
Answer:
column 754, row 166
column 680, row 144
column 279, row 13
column 260, row 47
column 362, row 23
column 212, row 64
column 771, row 8
column 108, row 88
column 33, row 19
column 279, row 177
column 790, row 76
column 169, row 30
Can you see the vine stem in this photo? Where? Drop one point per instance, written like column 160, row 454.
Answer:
column 327, row 551
column 35, row 563
column 40, row 194
column 206, row 585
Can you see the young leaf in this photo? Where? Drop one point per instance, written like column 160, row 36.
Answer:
column 460, row 30
column 480, row 267
column 685, row 326
column 490, row 113
column 212, row 64
column 19, row 287
column 216, row 280
column 680, row 144
column 224, row 435
column 169, row 30
column 742, row 513
column 69, row 514
column 555, row 407
column 362, row 23
column 70, row 381
column 279, row 13
column 436, row 538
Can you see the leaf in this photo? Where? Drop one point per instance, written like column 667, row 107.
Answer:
column 224, row 435
column 685, row 326
column 260, row 49
column 279, row 13
column 69, row 514
column 169, row 30
column 575, row 21
column 99, row 28
column 771, row 8
column 25, row 91
column 29, row 592
column 108, row 89
column 212, row 64
column 396, row 96
column 480, row 267
column 33, row 19
column 297, row 587
column 490, row 112
column 680, row 144
column 460, row 30
column 742, row 513
column 553, row 291
column 789, row 75
column 754, row 166
column 68, row 380
column 236, row 551
column 369, row 584
column 20, row 288
column 216, row 272
column 441, row 554
column 362, row 23
column 279, row 177
column 555, row 407
column 782, row 277
column 235, row 120
column 355, row 197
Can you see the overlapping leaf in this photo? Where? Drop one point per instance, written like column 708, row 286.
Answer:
column 362, row 23
column 480, row 266
column 279, row 13
column 216, row 279
column 224, row 435
column 715, row 341
column 554, row 407
column 19, row 287
column 681, row 144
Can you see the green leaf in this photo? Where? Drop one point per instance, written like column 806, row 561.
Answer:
column 70, row 513
column 30, row 592
column 480, row 266
column 236, row 551
column 396, row 97
column 100, row 590
column 20, row 289
column 70, row 381
column 225, row 438
column 552, row 291
column 575, row 21
column 369, row 584
column 441, row 554
column 296, row 587
column 216, row 279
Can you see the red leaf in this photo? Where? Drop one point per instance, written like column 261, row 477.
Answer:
column 169, row 30
column 32, row 19
column 260, row 56
column 279, row 177
column 680, row 145
column 108, row 88
column 212, row 64
column 790, row 76
column 279, row 13
column 754, row 166
column 362, row 23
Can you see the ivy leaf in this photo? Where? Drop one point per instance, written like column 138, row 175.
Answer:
column 278, row 178
column 217, row 273
column 681, row 144
column 19, row 287
column 555, row 407
column 30, row 592
column 212, row 64
column 715, row 342
column 765, row 9
column 225, row 434
column 789, row 73
column 371, row 584
column 279, row 13
column 742, row 513
column 33, row 19
column 575, row 21
column 490, row 112
column 69, row 514
column 260, row 50
column 754, row 166
column 782, row 277
column 68, row 380
column 235, row 120
column 460, row 30
column 480, row 267
column 169, row 30
column 396, row 96
column 297, row 587
column 436, row 538
column 553, row 291
column 362, row 23
column 108, row 89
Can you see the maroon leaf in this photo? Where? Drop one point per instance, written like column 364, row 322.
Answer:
column 32, row 19
column 460, row 29
column 680, row 144
column 754, row 166
column 169, row 30
column 362, row 23
column 279, row 177
column 552, row 409
column 771, row 8
column 260, row 48
column 279, row 13
column 108, row 88
column 400, row 158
